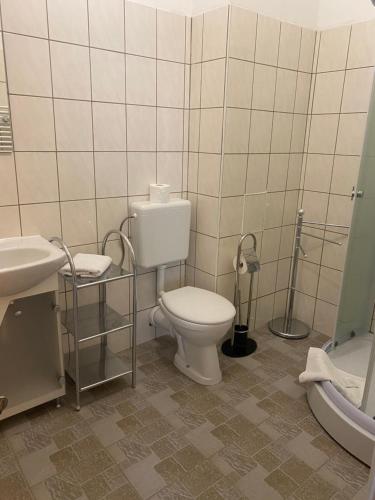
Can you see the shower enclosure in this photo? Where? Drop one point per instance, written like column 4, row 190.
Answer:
column 353, row 348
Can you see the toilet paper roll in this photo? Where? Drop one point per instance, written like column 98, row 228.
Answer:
column 159, row 193
column 242, row 269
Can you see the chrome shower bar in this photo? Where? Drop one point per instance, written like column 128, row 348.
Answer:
column 323, row 239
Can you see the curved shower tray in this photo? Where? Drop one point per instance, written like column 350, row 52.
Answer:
column 349, row 426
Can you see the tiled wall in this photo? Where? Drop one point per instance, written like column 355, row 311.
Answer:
column 342, row 81
column 249, row 101
column 99, row 96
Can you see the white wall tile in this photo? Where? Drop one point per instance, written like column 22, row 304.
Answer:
column 37, row 177
column 333, row 49
column 206, row 253
column 140, row 80
column 70, row 71
column 318, row 172
column 302, row 93
column 196, row 38
column 170, row 84
column 257, row 173
column 267, row 44
column 208, row 215
column 240, row 83
column 260, row 131
column 307, row 50
column 237, row 125
column 110, row 174
column 32, row 123
column 76, row 176
column 141, row 128
column 242, row 33
column 323, row 133
column 209, row 174
column 78, row 222
column 10, row 222
column 285, row 90
column 28, row 18
column 215, row 33
column 8, row 184
column 169, row 129
column 68, row 21
column 140, row 29
column 106, row 24
column 231, row 211
column 141, row 172
column 234, row 175
column 255, row 208
column 108, row 76
column 277, row 172
column 28, row 65
column 345, row 174
column 170, row 36
column 274, row 214
column 264, row 87
column 109, row 127
column 43, row 219
column 351, row 134
column 211, row 130
column 73, row 125
column 328, row 92
column 361, row 49
column 357, row 90
column 281, row 132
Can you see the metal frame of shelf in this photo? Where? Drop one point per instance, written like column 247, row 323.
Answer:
column 95, row 365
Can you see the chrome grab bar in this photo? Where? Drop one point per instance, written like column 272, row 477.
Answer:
column 323, row 239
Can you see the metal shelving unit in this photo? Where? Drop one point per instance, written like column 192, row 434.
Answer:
column 93, row 365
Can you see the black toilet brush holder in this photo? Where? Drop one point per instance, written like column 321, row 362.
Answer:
column 241, row 345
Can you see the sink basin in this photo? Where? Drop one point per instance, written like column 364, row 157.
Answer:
column 25, row 262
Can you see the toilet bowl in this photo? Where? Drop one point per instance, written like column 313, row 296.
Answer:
column 198, row 319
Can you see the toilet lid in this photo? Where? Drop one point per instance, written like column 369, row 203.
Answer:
column 198, row 306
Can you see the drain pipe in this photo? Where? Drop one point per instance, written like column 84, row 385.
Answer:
column 160, row 280
column 157, row 318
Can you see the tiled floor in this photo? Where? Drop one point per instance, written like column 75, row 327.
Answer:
column 251, row 436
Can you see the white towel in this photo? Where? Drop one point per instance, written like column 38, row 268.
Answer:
column 88, row 265
column 319, row 368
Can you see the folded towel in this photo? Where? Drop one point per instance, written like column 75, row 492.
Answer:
column 88, row 265
column 319, row 368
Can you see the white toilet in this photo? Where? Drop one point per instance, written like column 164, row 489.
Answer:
column 198, row 319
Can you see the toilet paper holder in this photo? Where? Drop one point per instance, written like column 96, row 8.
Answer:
column 239, row 344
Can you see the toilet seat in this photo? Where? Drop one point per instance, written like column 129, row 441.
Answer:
column 198, row 306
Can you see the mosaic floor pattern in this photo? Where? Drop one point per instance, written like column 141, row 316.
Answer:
column 251, row 436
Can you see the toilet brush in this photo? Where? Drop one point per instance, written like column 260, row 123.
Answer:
column 239, row 344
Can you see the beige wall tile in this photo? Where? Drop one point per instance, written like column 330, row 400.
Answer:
column 108, row 76
column 260, row 132
column 110, row 213
column 206, row 254
column 231, row 214
column 10, row 222
column 240, row 83
column 237, row 126
column 141, row 128
column 110, row 174
column 106, row 24
column 315, row 206
column 140, row 80
column 270, row 245
column 213, row 78
column 78, row 222
column 304, row 308
column 257, row 173
column 242, row 33
column 267, row 43
column 333, row 49
column 264, row 310
column 285, row 90
column 307, row 50
column 8, row 184
column 361, row 49
column 340, row 209
column 278, row 172
column 323, row 134
column 205, row 280
column 211, row 130
column 325, row 318
column 290, row 41
column 318, row 172
column 227, row 252
column 267, row 279
column 32, row 123
column 215, row 33
column 28, row 65
column 140, row 29
column 351, row 134
column 43, row 219
column 169, row 129
column 70, row 71
column 302, row 93
column 109, row 125
column 328, row 92
column 76, row 176
column 73, row 125
column 170, row 84
column 290, row 207
column 264, row 87
column 357, row 90
column 196, row 38
column 234, row 175
column 274, row 210
column 254, row 212
column 329, row 285
column 281, row 132
column 28, row 18
column 141, row 172
column 68, row 20
column 169, row 170
column 294, row 171
column 209, row 174
column 37, row 177
column 307, row 277
column 208, row 215
column 298, row 133
column 195, row 85
column 170, row 36
column 345, row 174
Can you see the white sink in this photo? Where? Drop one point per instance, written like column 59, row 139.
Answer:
column 25, row 262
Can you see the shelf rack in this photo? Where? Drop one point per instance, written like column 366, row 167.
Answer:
column 94, row 365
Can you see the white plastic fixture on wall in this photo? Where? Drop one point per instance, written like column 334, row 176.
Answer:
column 313, row 14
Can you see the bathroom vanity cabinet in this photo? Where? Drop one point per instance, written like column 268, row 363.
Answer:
column 31, row 363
